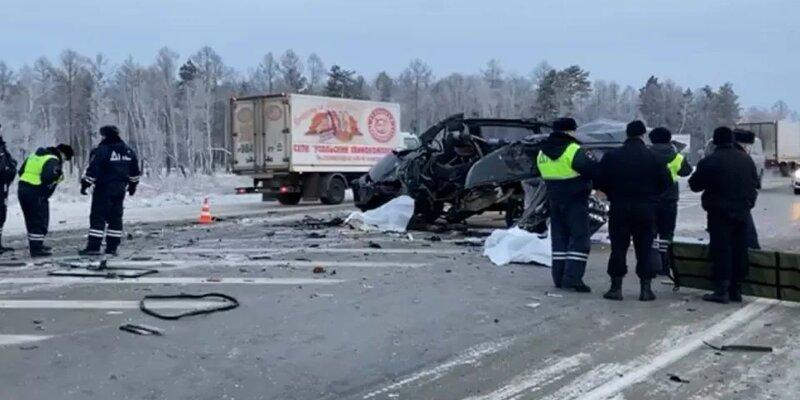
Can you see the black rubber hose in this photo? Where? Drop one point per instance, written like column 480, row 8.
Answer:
column 231, row 304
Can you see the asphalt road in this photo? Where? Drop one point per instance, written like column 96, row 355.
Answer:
column 391, row 317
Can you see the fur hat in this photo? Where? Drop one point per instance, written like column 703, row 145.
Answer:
column 565, row 124
column 66, row 150
column 723, row 135
column 109, row 130
column 660, row 135
column 635, row 128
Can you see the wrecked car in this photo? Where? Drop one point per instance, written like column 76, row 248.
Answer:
column 434, row 173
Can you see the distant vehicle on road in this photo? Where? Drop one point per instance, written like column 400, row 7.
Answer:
column 781, row 143
column 756, row 153
column 309, row 147
column 796, row 181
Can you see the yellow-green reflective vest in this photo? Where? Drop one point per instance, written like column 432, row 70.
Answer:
column 560, row 168
column 33, row 168
column 674, row 166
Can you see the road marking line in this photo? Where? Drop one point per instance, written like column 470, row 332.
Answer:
column 468, row 357
column 183, row 280
column 691, row 343
column 7, row 340
column 105, row 304
column 183, row 264
column 316, row 250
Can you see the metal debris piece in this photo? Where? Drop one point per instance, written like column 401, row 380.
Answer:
column 319, row 270
column 373, row 245
column 676, row 378
column 532, row 305
column 556, row 295
column 144, row 330
column 740, row 347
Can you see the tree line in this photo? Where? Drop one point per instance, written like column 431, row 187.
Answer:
column 173, row 110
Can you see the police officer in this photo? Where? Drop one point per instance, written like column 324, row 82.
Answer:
column 113, row 169
column 744, row 141
column 667, row 207
column 729, row 180
column 8, row 171
column 567, row 169
column 633, row 178
column 41, row 172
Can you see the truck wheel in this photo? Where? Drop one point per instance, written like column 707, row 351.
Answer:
column 333, row 190
column 796, row 191
column 289, row 199
column 784, row 168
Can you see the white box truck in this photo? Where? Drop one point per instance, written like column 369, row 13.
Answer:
column 309, row 147
column 781, row 140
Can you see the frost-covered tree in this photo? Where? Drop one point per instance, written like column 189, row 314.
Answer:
column 291, row 70
column 414, row 83
column 384, row 85
column 266, row 76
column 316, row 73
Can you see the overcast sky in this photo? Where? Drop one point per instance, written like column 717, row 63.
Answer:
column 753, row 43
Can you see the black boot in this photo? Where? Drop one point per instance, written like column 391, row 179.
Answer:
column 40, row 251
column 580, row 287
column 558, row 274
column 645, row 291
column 615, row 292
column 111, row 251
column 720, row 294
column 88, row 251
column 735, row 292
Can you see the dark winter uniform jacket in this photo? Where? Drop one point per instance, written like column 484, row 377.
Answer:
column 52, row 171
column 728, row 179
column 112, row 162
column 633, row 174
column 666, row 153
column 562, row 190
column 8, row 166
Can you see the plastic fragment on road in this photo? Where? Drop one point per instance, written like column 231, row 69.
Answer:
column 393, row 216
column 517, row 245
column 532, row 305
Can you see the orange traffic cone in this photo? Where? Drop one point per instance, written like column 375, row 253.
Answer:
column 205, row 213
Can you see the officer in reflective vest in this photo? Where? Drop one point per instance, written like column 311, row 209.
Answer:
column 667, row 207
column 39, row 175
column 567, row 169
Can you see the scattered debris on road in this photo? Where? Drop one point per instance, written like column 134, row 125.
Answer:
column 740, row 347
column 374, row 245
column 318, row 270
column 676, row 378
column 532, row 305
column 143, row 330
column 227, row 303
column 556, row 295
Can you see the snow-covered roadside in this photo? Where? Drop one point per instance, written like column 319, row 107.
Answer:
column 156, row 199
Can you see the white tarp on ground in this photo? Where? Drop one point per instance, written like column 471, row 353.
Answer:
column 505, row 246
column 390, row 217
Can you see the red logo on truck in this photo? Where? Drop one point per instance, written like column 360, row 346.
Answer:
column 381, row 125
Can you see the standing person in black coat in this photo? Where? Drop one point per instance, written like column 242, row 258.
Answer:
column 729, row 180
column 744, row 141
column 667, row 207
column 633, row 178
column 8, row 171
column 566, row 169
column 113, row 169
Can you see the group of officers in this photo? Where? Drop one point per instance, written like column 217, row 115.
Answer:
column 113, row 171
column 641, row 185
